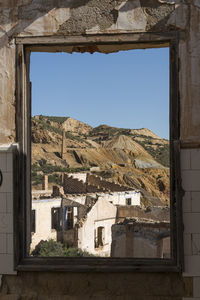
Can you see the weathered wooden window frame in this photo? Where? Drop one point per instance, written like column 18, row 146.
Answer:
column 24, row 46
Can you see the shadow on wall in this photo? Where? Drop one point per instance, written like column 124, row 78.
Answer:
column 84, row 15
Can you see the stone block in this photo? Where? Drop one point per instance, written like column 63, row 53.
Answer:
column 191, row 180
column 131, row 16
column 195, row 203
column 195, row 159
column 185, row 159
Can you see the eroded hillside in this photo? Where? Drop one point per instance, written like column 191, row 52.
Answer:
column 132, row 157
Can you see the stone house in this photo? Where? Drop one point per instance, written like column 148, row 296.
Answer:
column 44, row 214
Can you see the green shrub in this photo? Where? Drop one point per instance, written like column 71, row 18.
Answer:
column 48, row 248
column 36, row 179
column 76, row 252
column 55, row 178
column 53, row 248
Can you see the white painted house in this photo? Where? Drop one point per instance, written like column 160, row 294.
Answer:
column 42, row 223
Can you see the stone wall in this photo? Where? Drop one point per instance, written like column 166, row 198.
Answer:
column 73, row 186
column 153, row 213
column 109, row 286
column 92, row 184
column 140, row 239
column 106, row 185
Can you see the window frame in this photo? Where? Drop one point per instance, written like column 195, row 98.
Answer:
column 22, row 209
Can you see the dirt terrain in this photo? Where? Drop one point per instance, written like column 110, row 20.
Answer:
column 136, row 158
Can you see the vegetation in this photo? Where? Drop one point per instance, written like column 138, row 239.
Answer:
column 48, row 169
column 48, row 248
column 70, row 136
column 58, row 120
column 45, row 126
column 108, row 130
column 52, row 248
column 160, row 154
column 36, row 178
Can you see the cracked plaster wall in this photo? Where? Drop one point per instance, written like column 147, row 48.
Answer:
column 66, row 17
column 23, row 18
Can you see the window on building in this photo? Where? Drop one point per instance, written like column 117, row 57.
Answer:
column 128, row 201
column 69, row 217
column 96, row 142
column 56, row 218
column 99, row 237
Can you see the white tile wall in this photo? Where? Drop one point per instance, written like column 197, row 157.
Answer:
column 6, row 211
column 187, row 205
column 196, row 243
column 191, row 180
column 191, row 222
column 3, row 244
column 3, row 202
column 195, row 161
column 190, row 170
column 187, row 237
column 186, row 159
column 195, row 203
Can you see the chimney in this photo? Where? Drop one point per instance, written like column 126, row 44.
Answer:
column 63, row 144
column 45, row 183
column 56, row 191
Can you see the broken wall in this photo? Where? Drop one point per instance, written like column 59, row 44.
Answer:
column 31, row 18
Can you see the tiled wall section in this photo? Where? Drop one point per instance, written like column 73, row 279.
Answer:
column 190, row 165
column 6, row 210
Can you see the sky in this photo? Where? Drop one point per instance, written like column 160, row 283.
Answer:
column 128, row 89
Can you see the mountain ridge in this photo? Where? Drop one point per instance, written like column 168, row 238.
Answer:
column 118, row 153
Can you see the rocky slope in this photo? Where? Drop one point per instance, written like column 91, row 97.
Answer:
column 134, row 157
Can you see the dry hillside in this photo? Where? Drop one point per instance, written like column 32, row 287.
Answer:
column 133, row 157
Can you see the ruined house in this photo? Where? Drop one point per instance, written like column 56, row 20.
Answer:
column 105, row 26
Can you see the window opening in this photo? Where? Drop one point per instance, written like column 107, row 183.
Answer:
column 56, row 218
column 100, row 151
column 128, row 201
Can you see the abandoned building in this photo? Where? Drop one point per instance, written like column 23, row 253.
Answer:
column 42, row 227
column 104, row 26
column 80, row 220
column 140, row 238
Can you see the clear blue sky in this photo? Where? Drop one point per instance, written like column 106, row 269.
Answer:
column 128, row 89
